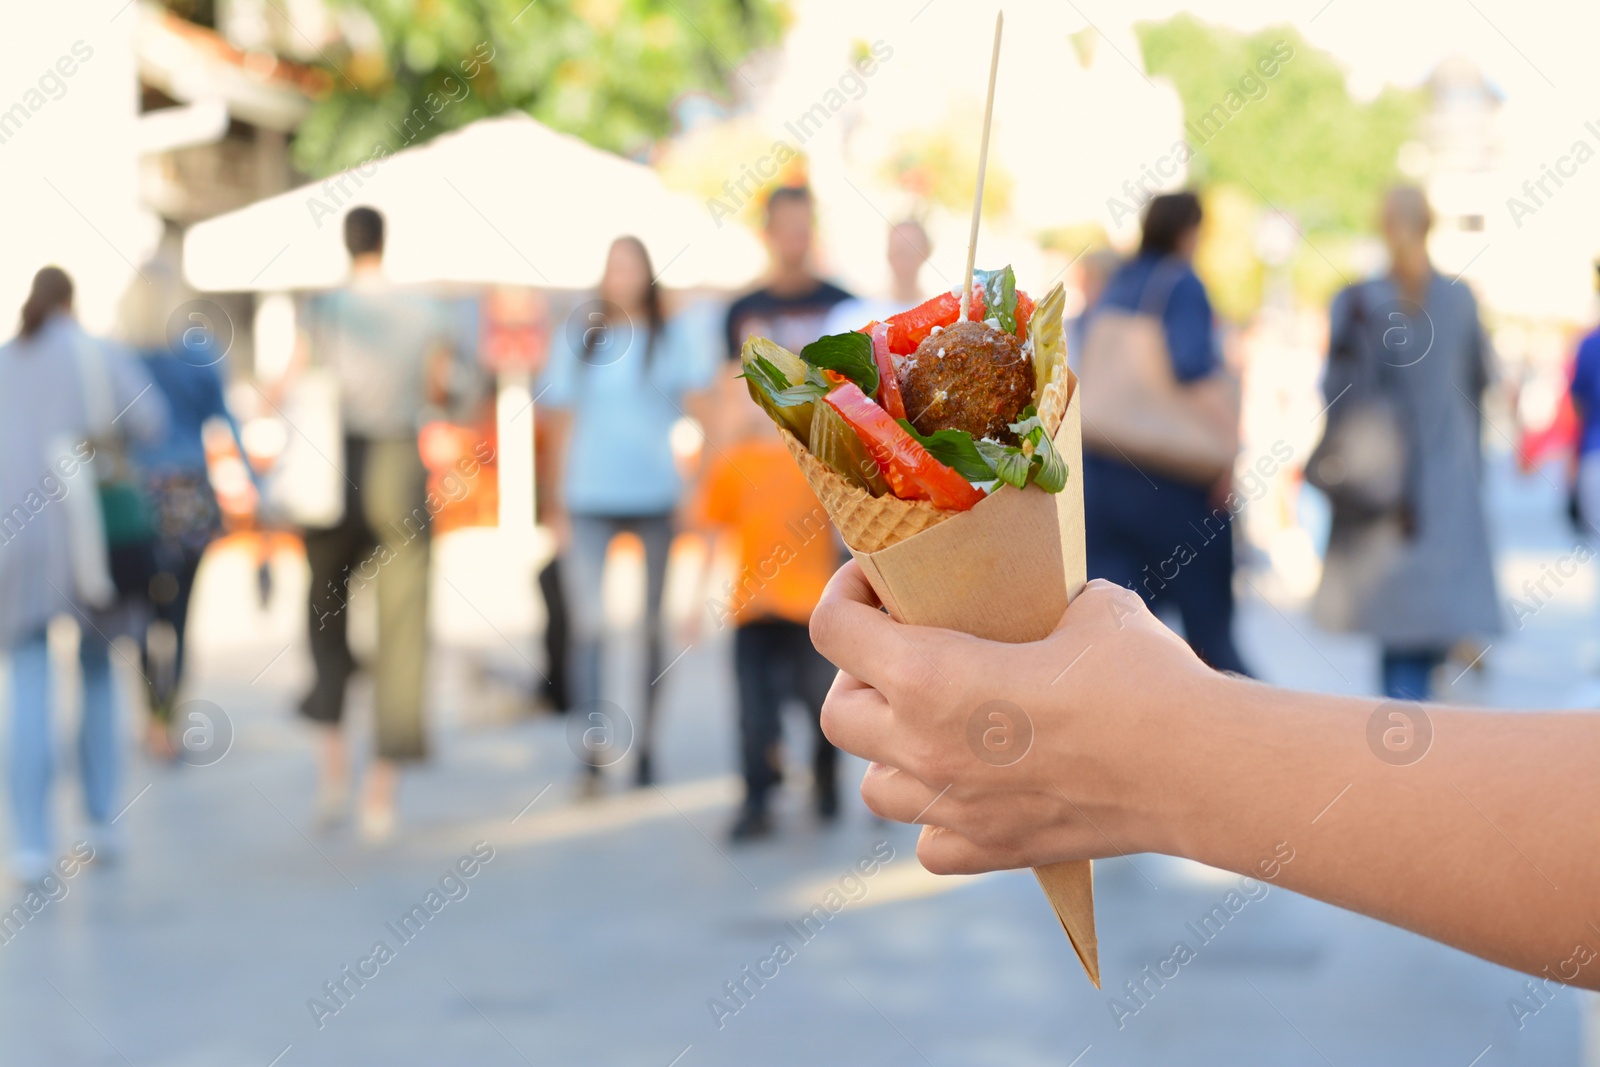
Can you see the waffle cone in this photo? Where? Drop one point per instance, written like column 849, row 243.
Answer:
column 867, row 523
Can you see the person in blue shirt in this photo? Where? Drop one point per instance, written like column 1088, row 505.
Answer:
column 620, row 377
column 1153, row 534
column 1585, row 392
column 178, row 484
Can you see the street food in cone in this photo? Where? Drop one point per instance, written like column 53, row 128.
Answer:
column 927, row 412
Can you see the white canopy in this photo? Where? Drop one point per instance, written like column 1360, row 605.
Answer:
column 502, row 201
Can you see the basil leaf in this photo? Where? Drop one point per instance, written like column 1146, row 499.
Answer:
column 772, row 382
column 1050, row 473
column 848, row 353
column 955, row 449
column 999, row 296
column 1013, row 467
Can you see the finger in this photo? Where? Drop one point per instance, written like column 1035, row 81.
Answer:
column 857, row 718
column 944, row 851
column 899, row 795
column 849, row 629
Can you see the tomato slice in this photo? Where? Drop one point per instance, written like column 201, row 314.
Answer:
column 910, row 469
column 909, row 329
column 888, row 378
column 1024, row 314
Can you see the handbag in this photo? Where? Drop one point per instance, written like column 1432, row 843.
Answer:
column 1362, row 462
column 86, row 531
column 307, row 484
column 1136, row 410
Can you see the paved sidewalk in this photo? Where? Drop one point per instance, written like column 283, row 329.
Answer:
column 601, row 933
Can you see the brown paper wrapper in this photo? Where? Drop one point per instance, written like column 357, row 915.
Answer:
column 1021, row 559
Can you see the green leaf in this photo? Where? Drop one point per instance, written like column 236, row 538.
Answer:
column 850, row 354
column 999, row 295
column 785, row 386
column 765, row 374
column 1013, row 467
column 1050, row 471
column 955, row 449
column 1045, row 465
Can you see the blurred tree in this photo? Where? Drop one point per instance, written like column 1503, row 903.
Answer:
column 1297, row 137
column 608, row 71
column 1292, row 139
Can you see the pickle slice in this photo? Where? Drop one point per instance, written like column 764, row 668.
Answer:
column 778, row 381
column 836, row 444
column 1049, row 344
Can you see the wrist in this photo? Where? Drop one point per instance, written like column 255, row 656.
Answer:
column 1195, row 738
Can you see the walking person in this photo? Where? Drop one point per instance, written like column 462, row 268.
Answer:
column 186, row 517
column 792, row 305
column 1154, row 532
column 908, row 249
column 1408, row 559
column 786, row 552
column 65, row 400
column 389, row 349
column 619, row 377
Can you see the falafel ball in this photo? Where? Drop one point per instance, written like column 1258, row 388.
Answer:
column 968, row 376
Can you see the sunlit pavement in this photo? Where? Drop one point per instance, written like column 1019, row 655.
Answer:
column 601, row 932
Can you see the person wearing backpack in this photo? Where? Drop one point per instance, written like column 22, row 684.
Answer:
column 1408, row 559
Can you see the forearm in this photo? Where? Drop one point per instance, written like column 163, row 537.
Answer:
column 1485, row 835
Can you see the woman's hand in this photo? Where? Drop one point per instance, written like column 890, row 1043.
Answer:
column 1011, row 755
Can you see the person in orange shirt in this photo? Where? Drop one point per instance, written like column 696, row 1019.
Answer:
column 787, row 551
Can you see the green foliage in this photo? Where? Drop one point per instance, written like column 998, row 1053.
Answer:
column 1305, row 144
column 605, row 70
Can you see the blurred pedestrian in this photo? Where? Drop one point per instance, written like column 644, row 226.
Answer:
column 787, row 551
column 1152, row 532
column 791, row 306
column 908, row 249
column 185, row 368
column 617, row 383
column 1408, row 557
column 1584, row 390
column 389, row 350
column 67, row 403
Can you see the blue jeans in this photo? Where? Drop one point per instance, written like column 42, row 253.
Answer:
column 32, row 763
column 1408, row 675
column 582, row 573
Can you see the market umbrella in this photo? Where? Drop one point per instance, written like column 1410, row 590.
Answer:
column 502, row 201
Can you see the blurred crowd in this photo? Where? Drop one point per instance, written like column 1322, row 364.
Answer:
column 108, row 504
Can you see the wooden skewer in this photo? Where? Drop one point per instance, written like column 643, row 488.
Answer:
column 983, row 165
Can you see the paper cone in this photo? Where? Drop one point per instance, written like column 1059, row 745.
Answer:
column 1002, row 571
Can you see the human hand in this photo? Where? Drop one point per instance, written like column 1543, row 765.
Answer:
column 1013, row 755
